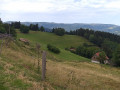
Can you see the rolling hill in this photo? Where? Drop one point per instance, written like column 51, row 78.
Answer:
column 63, row 42
column 100, row 27
column 111, row 28
column 67, row 71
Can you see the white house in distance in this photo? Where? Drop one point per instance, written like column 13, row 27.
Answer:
column 94, row 59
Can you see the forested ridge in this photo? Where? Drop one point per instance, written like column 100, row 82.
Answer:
column 107, row 42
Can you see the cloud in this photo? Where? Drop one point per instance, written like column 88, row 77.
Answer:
column 16, row 6
column 60, row 10
column 25, row 6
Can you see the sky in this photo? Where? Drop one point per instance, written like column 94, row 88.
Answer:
column 61, row 11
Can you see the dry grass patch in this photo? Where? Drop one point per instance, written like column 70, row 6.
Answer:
column 21, row 68
column 71, row 76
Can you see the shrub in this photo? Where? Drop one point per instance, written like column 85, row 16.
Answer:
column 59, row 31
column 53, row 49
column 24, row 29
column 102, row 57
column 87, row 52
column 7, row 29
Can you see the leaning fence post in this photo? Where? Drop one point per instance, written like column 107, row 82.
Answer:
column 43, row 65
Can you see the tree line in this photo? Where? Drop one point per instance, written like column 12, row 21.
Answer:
column 25, row 28
column 6, row 28
column 98, row 36
column 58, row 31
column 108, row 42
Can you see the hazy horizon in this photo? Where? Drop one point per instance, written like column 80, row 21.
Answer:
column 57, row 22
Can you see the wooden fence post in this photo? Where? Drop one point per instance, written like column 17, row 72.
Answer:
column 43, row 65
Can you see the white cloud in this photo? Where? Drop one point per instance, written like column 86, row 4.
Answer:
column 55, row 5
column 24, row 6
column 113, row 4
column 63, row 9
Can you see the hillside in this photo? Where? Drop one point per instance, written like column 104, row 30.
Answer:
column 18, row 71
column 100, row 27
column 63, row 42
column 111, row 28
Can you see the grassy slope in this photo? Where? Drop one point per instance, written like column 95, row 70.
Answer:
column 18, row 71
column 59, row 41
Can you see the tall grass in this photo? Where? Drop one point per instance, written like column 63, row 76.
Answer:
column 19, row 72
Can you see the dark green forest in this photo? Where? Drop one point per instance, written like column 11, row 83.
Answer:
column 107, row 42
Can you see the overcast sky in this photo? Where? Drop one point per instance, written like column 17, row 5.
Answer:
column 61, row 11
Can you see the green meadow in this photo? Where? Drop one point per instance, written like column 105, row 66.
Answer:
column 62, row 42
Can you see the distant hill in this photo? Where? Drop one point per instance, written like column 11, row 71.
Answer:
column 100, row 27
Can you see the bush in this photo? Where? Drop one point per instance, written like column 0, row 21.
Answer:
column 87, row 52
column 24, row 29
column 53, row 49
column 42, row 29
column 4, row 29
column 59, row 31
column 102, row 57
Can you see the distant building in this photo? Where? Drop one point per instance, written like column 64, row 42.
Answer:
column 94, row 59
